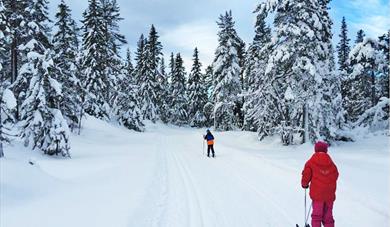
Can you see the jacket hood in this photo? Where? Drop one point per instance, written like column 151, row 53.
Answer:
column 322, row 159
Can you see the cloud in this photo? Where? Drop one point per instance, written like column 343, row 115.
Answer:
column 374, row 26
column 369, row 15
column 185, row 37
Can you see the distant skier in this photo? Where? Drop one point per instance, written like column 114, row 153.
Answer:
column 321, row 173
column 210, row 142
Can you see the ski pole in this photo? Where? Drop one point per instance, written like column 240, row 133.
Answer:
column 305, row 209
column 308, row 213
column 203, row 145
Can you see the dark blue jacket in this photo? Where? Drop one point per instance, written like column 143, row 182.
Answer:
column 209, row 136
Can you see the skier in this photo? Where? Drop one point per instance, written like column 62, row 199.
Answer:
column 321, row 172
column 210, row 142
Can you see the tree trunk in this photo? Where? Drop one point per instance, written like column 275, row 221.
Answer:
column 305, row 124
column 14, row 68
column 373, row 96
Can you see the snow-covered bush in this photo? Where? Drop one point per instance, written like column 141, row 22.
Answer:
column 375, row 118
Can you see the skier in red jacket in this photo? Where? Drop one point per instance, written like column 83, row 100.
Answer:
column 321, row 173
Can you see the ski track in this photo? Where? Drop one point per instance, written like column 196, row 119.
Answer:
column 195, row 217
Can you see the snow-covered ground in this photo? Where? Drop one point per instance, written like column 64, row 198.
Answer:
column 161, row 178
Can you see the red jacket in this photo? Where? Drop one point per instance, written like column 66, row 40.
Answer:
column 322, row 174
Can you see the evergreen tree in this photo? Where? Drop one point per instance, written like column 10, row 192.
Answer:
column 171, row 64
column 7, row 120
column 7, row 99
column 163, row 101
column 113, row 42
column 127, row 103
column 147, row 77
column 209, row 81
column 111, row 18
column 360, row 36
column 366, row 63
column 96, row 80
column 343, row 50
column 43, row 126
column 65, row 46
column 197, row 93
column 208, row 108
column 140, row 59
column 129, row 68
column 28, row 29
column 383, row 80
column 227, row 73
column 343, row 46
column 299, row 74
column 4, row 40
column 257, row 58
column 178, row 99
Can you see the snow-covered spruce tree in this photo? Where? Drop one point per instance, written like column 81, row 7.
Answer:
column 208, row 108
column 377, row 117
column 33, row 27
column 111, row 18
column 4, row 43
column 301, row 61
column 178, row 98
column 366, row 62
column 7, row 120
column 257, row 57
column 16, row 13
column 66, row 47
column 329, row 113
column 140, row 56
column 4, row 40
column 7, row 98
column 227, row 76
column 383, row 80
column 128, row 67
column 209, row 81
column 163, row 100
column 167, row 114
column 114, row 40
column 127, row 104
column 96, row 81
column 147, row 75
column 43, row 126
column 196, row 93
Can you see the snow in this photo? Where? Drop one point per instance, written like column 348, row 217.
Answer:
column 289, row 95
column 9, row 99
column 118, row 177
column 34, row 55
column 55, row 85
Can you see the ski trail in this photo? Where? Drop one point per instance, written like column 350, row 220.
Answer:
column 193, row 207
column 224, row 189
column 260, row 193
column 163, row 182
column 152, row 206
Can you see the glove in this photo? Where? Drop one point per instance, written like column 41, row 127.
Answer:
column 305, row 186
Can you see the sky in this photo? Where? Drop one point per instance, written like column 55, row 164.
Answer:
column 186, row 24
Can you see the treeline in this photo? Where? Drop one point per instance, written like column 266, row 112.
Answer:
column 284, row 84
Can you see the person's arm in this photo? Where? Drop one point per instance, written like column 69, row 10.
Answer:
column 306, row 175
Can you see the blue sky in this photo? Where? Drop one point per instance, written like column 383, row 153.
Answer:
column 184, row 24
